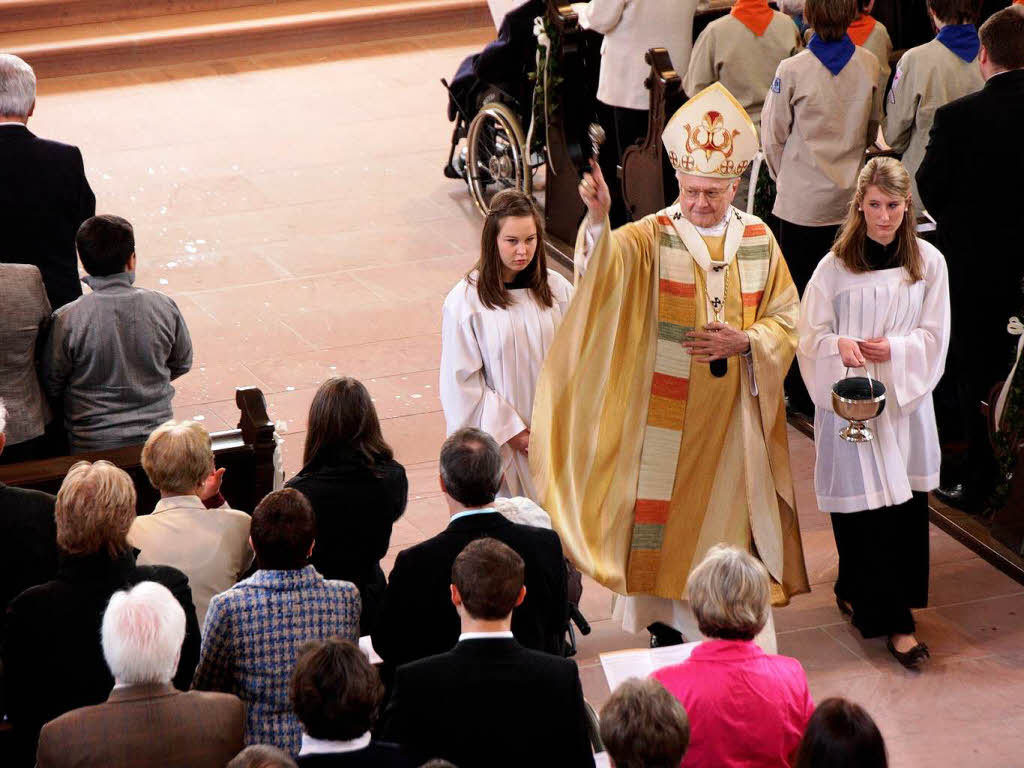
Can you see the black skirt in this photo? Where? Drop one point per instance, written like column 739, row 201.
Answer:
column 883, row 565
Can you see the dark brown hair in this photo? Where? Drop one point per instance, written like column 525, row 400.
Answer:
column 470, row 467
column 1003, row 37
column 509, row 203
column 889, row 175
column 489, row 576
column 644, row 726
column 335, row 691
column 830, row 18
column 342, row 415
column 841, row 734
column 954, row 11
column 105, row 243
column 282, row 530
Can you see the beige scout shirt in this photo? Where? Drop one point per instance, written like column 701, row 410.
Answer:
column 210, row 546
column 815, row 128
column 729, row 53
column 927, row 77
column 878, row 43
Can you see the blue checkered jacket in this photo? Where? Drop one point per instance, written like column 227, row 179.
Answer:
column 251, row 639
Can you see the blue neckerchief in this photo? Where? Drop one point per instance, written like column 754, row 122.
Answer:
column 833, row 55
column 961, row 39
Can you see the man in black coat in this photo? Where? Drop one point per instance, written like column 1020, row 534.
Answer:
column 50, row 645
column 970, row 182
column 44, row 195
column 417, row 618
column 489, row 701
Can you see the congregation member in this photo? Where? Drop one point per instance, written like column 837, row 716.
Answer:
column 418, row 618
column 496, row 328
column 930, row 76
column 489, row 701
column 629, row 29
column 978, row 233
column 192, row 527
column 145, row 722
column 28, row 533
column 23, row 325
column 44, row 194
column 644, row 726
column 841, row 734
column 114, row 376
column 357, row 489
column 729, row 680
column 254, row 631
column 666, row 371
column 821, row 114
column 51, row 652
column 337, row 695
column 879, row 300
column 262, row 756
column 869, row 33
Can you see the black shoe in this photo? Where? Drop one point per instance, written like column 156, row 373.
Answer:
column 954, row 496
column 912, row 659
column 844, row 607
column 662, row 635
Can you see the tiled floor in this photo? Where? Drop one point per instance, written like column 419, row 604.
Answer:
column 294, row 207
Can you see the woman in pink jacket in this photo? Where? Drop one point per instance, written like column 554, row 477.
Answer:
column 746, row 708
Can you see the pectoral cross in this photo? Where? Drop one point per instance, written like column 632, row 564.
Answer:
column 716, row 306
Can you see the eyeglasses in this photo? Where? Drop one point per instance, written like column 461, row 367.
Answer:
column 711, row 195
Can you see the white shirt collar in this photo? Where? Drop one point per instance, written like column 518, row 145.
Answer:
column 190, row 501
column 485, row 636
column 311, row 746
column 13, row 122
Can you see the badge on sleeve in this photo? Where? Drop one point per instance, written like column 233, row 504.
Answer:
column 895, row 83
column 777, row 85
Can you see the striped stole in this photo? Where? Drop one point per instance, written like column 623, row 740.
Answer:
column 666, row 414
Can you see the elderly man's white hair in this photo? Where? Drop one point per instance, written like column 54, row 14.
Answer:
column 3, row 416
column 17, row 86
column 143, row 630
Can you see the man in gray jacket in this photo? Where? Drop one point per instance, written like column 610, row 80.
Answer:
column 113, row 353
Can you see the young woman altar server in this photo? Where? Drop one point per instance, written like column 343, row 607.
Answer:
column 497, row 325
column 879, row 300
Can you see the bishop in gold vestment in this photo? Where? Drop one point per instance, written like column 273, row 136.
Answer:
column 643, row 458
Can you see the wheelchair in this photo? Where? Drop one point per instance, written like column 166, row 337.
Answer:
column 490, row 99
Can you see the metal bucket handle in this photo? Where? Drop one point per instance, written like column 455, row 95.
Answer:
column 871, row 382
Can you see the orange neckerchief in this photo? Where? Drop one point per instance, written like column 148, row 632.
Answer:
column 861, row 29
column 755, row 15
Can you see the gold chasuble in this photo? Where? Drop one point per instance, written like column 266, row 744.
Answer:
column 645, row 461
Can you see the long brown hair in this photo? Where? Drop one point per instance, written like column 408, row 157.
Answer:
column 509, row 203
column 889, row 175
column 342, row 415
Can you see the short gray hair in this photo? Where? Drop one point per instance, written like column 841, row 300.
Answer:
column 471, row 467
column 17, row 86
column 143, row 629
column 729, row 594
column 3, row 416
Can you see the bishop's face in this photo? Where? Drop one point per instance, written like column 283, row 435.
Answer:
column 704, row 202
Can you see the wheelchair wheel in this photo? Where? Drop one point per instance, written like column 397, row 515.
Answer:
column 496, row 159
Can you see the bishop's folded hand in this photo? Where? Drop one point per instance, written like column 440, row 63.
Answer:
column 717, row 341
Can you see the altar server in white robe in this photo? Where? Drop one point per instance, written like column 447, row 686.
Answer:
column 880, row 300
column 497, row 325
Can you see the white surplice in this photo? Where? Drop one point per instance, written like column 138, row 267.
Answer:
column 490, row 361
column 914, row 317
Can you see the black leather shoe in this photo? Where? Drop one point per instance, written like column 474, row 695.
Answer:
column 912, row 659
column 953, row 496
column 662, row 635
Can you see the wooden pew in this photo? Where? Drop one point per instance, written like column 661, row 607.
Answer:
column 247, row 454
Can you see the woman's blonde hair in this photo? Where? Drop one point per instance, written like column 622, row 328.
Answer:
column 889, row 176
column 95, row 508
column 729, row 593
column 178, row 457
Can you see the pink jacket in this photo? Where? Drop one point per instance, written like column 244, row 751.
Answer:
column 747, row 709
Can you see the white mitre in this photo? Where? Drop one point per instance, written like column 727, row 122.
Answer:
column 711, row 135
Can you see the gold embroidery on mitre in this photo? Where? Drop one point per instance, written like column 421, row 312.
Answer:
column 711, row 136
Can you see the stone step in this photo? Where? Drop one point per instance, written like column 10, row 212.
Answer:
column 229, row 32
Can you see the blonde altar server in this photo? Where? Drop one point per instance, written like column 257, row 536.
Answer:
column 497, row 325
column 880, row 298
column 659, row 425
